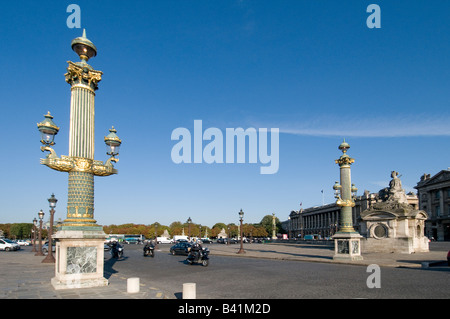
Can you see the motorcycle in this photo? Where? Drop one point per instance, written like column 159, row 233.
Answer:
column 149, row 249
column 116, row 250
column 198, row 256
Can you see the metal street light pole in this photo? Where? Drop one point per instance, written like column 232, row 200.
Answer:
column 189, row 221
column 52, row 203
column 41, row 216
column 241, row 218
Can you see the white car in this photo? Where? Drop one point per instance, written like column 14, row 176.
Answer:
column 6, row 244
column 22, row 242
column 163, row 240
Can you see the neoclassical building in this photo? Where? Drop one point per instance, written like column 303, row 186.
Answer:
column 323, row 220
column 434, row 198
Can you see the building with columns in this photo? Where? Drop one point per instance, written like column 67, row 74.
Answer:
column 323, row 221
column 434, row 198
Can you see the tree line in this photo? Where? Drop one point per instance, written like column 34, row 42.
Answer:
column 261, row 229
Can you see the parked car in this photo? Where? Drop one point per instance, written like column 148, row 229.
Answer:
column 163, row 240
column 45, row 248
column 206, row 240
column 180, row 248
column 8, row 245
column 22, row 242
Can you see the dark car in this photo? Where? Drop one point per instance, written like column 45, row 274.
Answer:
column 222, row 241
column 180, row 248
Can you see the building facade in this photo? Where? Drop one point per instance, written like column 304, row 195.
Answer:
column 434, row 198
column 323, row 221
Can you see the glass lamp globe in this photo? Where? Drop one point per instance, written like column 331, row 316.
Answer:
column 48, row 130
column 112, row 142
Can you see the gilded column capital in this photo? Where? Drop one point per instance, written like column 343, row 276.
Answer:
column 81, row 74
column 344, row 160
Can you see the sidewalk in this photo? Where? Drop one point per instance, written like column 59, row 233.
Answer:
column 24, row 276
column 324, row 253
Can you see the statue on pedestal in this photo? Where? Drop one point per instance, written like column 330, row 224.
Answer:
column 391, row 224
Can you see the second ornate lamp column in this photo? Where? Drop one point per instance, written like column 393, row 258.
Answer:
column 347, row 244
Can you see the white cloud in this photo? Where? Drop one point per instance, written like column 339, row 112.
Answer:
column 357, row 126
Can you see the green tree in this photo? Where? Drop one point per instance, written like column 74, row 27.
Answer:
column 267, row 224
column 20, row 230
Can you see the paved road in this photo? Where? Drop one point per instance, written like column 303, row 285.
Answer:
column 266, row 271
column 254, row 278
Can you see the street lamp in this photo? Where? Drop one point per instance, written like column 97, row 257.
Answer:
column 80, row 230
column 48, row 131
column 156, row 235
column 41, row 216
column 289, row 227
column 112, row 142
column 347, row 240
column 34, row 235
column 52, row 203
column 241, row 218
column 189, row 221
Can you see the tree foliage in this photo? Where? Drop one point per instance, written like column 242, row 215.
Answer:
column 267, row 223
column 17, row 230
column 192, row 229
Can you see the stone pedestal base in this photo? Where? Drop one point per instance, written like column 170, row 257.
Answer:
column 347, row 246
column 79, row 259
column 402, row 245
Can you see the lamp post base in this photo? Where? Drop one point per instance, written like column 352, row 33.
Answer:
column 79, row 259
column 347, row 246
column 49, row 259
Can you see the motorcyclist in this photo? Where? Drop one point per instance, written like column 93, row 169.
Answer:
column 149, row 243
column 149, row 246
column 114, row 249
column 196, row 249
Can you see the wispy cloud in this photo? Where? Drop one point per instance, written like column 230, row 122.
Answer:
column 358, row 126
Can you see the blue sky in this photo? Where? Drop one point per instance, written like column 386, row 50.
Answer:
column 311, row 68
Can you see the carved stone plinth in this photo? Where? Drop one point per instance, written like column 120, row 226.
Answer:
column 347, row 246
column 79, row 259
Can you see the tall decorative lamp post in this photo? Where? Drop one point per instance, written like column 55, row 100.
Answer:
column 79, row 240
column 41, row 217
column 274, row 227
column 52, row 203
column 289, row 227
column 347, row 244
column 189, row 221
column 241, row 218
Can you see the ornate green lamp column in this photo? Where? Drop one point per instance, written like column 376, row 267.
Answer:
column 346, row 240
column 274, row 227
column 79, row 247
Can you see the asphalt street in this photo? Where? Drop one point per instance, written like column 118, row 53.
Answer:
column 259, row 278
column 291, row 271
